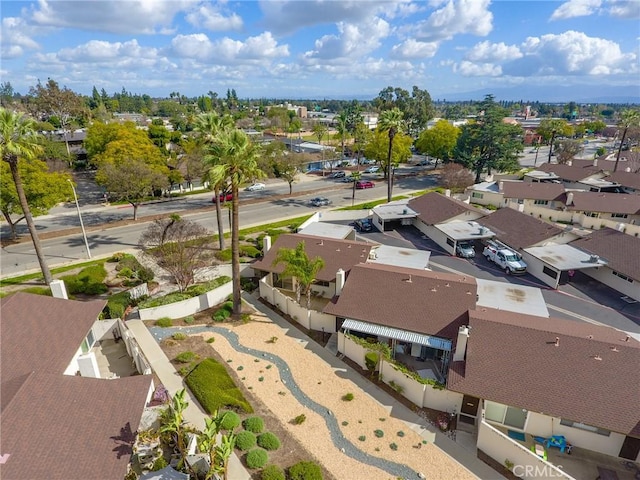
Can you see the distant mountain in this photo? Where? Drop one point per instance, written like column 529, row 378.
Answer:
column 532, row 93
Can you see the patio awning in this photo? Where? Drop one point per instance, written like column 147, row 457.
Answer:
column 404, row 335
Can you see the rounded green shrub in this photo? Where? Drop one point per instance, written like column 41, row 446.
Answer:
column 189, row 320
column 378, row 433
column 230, row 420
column 253, row 424
column 268, row 441
column 179, row 336
column 164, row 322
column 347, row 397
column 272, row 472
column 126, row 272
column 371, row 361
column 362, row 438
column 257, row 458
column 305, row 471
column 299, row 419
column 145, row 274
column 185, row 357
column 211, row 340
column 245, row 441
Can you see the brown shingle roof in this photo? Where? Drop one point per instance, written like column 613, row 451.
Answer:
column 533, row 190
column 626, row 179
column 337, row 254
column 517, row 229
column 619, row 249
column 67, row 427
column 436, row 208
column 432, row 303
column 41, row 333
column 573, row 173
column 605, row 202
column 511, row 359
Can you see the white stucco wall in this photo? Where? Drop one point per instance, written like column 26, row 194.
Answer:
column 189, row 306
column 605, row 275
column 351, row 350
column 535, row 267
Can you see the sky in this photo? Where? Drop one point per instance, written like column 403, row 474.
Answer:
column 318, row 49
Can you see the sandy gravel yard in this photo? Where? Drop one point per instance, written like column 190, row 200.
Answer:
column 361, row 453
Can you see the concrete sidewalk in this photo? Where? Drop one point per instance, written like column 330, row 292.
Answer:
column 172, row 381
column 396, row 409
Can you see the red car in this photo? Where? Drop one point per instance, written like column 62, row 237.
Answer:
column 364, row 184
column 224, row 197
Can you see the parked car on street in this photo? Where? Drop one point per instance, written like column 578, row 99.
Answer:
column 363, row 225
column 348, row 179
column 256, row 186
column 374, row 169
column 224, row 197
column 338, row 174
column 360, row 184
column 319, row 202
column 465, row 250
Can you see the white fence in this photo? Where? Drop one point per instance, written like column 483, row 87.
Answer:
column 189, row 306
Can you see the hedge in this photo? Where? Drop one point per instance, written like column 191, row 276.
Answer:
column 89, row 280
column 192, row 291
column 214, row 389
column 305, row 471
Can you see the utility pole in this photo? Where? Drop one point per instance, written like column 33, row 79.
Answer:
column 84, row 233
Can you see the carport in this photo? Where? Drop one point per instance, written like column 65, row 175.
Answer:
column 392, row 215
column 555, row 264
column 450, row 234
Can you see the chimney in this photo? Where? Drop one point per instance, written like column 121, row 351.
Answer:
column 461, row 344
column 501, row 186
column 569, row 162
column 58, row 289
column 521, row 207
column 340, row 277
column 266, row 243
column 595, row 162
column 569, row 198
column 447, row 193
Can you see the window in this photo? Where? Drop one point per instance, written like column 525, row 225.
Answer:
column 592, row 214
column 541, row 202
column 548, row 271
column 520, row 201
column 450, row 242
column 582, row 426
column 622, row 276
column 619, row 215
column 508, row 416
column 477, row 195
column 88, row 342
column 321, row 283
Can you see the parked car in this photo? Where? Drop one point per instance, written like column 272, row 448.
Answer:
column 374, row 169
column 256, row 186
column 505, row 258
column 319, row 202
column 363, row 225
column 425, row 162
column 224, row 197
column 338, row 174
column 465, row 250
column 360, row 184
column 348, row 179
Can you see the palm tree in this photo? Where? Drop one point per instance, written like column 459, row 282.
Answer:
column 299, row 265
column 19, row 139
column 628, row 118
column 238, row 162
column 209, row 126
column 391, row 122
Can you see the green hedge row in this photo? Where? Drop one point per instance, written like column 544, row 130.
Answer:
column 192, row 291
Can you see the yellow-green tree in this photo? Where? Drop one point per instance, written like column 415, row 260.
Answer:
column 438, row 141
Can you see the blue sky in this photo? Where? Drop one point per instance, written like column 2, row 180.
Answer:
column 320, row 48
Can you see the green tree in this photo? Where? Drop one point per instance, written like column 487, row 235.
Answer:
column 298, row 265
column 567, row 149
column 361, row 135
column 489, row 143
column 391, row 121
column 43, row 190
column 19, row 140
column 288, row 168
column 320, row 131
column 209, row 127
column 6, row 93
column 439, row 141
column 237, row 157
column 377, row 148
column 628, row 118
column 342, row 130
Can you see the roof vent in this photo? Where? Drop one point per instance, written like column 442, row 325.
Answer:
column 627, row 338
column 408, row 280
column 557, row 344
column 597, row 357
column 590, row 337
column 337, row 249
column 594, row 259
column 614, row 349
column 434, row 289
column 321, row 242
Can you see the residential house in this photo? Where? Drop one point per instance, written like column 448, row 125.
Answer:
column 532, row 198
column 551, row 377
column 629, row 181
column 582, row 174
column 621, row 252
column 485, row 194
column 57, row 423
column 595, row 210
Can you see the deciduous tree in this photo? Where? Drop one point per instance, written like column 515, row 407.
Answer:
column 438, row 141
column 455, row 177
column 567, row 149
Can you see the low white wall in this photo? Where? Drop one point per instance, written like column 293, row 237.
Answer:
column 322, row 321
column 352, row 350
column 102, row 329
column 443, row 400
column 189, row 306
column 605, row 275
column 266, row 291
column 135, row 352
column 526, row 464
column 299, row 313
column 411, row 389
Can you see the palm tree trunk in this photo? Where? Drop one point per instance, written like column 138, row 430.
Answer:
column 235, row 252
column 624, row 134
column 13, row 165
column 219, row 219
column 12, row 225
column 389, row 185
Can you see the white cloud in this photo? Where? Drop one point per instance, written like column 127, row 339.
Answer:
column 576, row 8
column 352, row 42
column 573, row 53
column 196, row 45
column 212, row 17
column 493, row 52
column 101, row 51
column 455, row 17
column 628, row 9
column 413, row 49
column 199, row 46
column 15, row 38
column 288, row 16
column 132, row 16
column 470, row 69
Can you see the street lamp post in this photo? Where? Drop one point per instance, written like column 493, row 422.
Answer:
column 84, row 233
